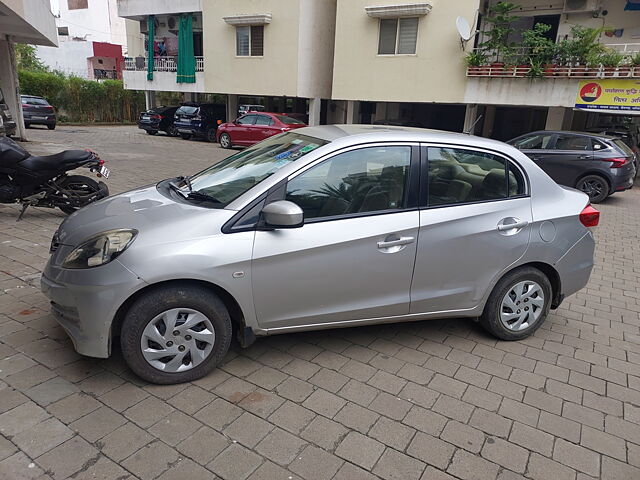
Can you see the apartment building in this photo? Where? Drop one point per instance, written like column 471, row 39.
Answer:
column 382, row 61
column 21, row 21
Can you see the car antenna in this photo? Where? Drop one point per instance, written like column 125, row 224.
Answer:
column 473, row 126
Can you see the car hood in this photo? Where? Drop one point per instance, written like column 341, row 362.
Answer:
column 157, row 218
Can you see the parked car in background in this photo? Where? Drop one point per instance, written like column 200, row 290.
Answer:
column 201, row 120
column 7, row 124
column 242, row 109
column 321, row 227
column 599, row 165
column 159, row 119
column 37, row 111
column 255, row 127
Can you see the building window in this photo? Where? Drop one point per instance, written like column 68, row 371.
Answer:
column 398, row 36
column 63, row 31
column 250, row 41
column 77, row 4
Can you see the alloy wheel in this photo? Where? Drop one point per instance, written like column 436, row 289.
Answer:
column 177, row 340
column 522, row 305
column 593, row 188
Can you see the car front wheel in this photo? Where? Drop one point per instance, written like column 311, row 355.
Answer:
column 175, row 334
column 595, row 186
column 225, row 141
column 518, row 304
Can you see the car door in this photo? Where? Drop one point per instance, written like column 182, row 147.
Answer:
column 240, row 133
column 537, row 146
column 353, row 258
column 263, row 128
column 473, row 226
column 569, row 158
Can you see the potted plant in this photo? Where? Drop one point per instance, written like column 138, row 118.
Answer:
column 538, row 49
column 582, row 46
column 497, row 37
column 624, row 69
column 536, row 70
column 475, row 60
column 635, row 64
column 610, row 59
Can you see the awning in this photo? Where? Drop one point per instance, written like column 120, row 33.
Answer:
column 399, row 10
column 254, row 19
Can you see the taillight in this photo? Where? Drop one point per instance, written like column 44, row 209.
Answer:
column 616, row 162
column 589, row 216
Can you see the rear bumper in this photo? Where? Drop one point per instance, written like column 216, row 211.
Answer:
column 575, row 265
column 149, row 126
column 32, row 120
column 623, row 180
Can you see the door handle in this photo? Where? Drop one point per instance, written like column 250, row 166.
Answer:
column 583, row 157
column 503, row 227
column 396, row 243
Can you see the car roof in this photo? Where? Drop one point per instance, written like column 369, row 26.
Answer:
column 373, row 133
column 571, row 132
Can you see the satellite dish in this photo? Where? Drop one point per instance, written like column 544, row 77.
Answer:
column 464, row 29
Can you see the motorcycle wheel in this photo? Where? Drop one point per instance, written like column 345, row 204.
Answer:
column 75, row 185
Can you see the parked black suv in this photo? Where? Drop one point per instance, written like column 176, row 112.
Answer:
column 7, row 124
column 37, row 111
column 159, row 118
column 194, row 119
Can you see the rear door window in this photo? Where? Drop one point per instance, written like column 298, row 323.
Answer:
column 573, row 142
column 264, row 120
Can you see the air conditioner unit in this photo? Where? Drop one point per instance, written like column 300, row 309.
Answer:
column 581, row 6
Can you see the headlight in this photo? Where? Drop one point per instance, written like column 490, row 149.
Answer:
column 100, row 249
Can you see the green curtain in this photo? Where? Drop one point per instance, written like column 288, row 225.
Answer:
column 151, row 27
column 186, row 58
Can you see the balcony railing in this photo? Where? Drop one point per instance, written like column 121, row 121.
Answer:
column 554, row 71
column 100, row 73
column 160, row 64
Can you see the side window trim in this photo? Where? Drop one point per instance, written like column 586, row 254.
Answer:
column 424, row 174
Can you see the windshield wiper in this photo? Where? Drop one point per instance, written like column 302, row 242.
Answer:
column 177, row 189
column 204, row 197
column 186, row 180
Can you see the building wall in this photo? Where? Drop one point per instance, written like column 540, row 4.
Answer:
column 436, row 73
column 297, row 49
column 69, row 57
column 98, row 23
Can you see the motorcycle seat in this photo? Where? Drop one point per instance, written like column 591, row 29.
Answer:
column 57, row 161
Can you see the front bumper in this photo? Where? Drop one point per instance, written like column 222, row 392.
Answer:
column 85, row 302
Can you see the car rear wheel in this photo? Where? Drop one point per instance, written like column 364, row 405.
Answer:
column 211, row 135
column 185, row 136
column 175, row 334
column 225, row 141
column 595, row 186
column 172, row 131
column 151, row 132
column 518, row 304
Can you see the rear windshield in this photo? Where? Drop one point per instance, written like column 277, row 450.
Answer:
column 623, row 146
column 187, row 110
column 288, row 120
column 34, row 101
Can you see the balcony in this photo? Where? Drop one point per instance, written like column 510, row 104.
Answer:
column 164, row 75
column 554, row 71
column 139, row 9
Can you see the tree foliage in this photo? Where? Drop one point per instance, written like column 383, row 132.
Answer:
column 27, row 59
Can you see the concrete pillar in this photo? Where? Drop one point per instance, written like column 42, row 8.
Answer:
column 381, row 111
column 232, row 107
column 10, row 87
column 314, row 111
column 555, row 118
column 149, row 99
column 489, row 118
column 470, row 117
column 353, row 111
column 567, row 121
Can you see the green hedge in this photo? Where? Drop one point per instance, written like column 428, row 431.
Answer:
column 80, row 100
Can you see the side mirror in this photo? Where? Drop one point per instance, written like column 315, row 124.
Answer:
column 283, row 214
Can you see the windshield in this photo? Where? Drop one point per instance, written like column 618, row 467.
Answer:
column 233, row 176
column 34, row 101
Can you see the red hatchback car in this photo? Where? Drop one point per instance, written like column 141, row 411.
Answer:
column 254, row 127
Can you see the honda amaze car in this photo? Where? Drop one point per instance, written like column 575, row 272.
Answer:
column 321, row 227
column 255, row 127
column 598, row 165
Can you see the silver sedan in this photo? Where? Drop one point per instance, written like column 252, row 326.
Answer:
column 324, row 227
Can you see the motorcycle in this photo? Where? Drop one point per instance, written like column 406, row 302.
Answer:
column 42, row 181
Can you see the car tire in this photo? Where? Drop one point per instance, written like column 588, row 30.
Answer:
column 172, row 131
column 185, row 136
column 51, row 127
column 151, row 132
column 27, row 125
column 518, row 304
column 225, row 141
column 595, row 186
column 145, row 319
column 210, row 136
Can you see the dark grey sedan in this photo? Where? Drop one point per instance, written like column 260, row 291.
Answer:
column 599, row 165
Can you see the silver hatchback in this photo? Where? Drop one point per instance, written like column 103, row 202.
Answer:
column 324, row 227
